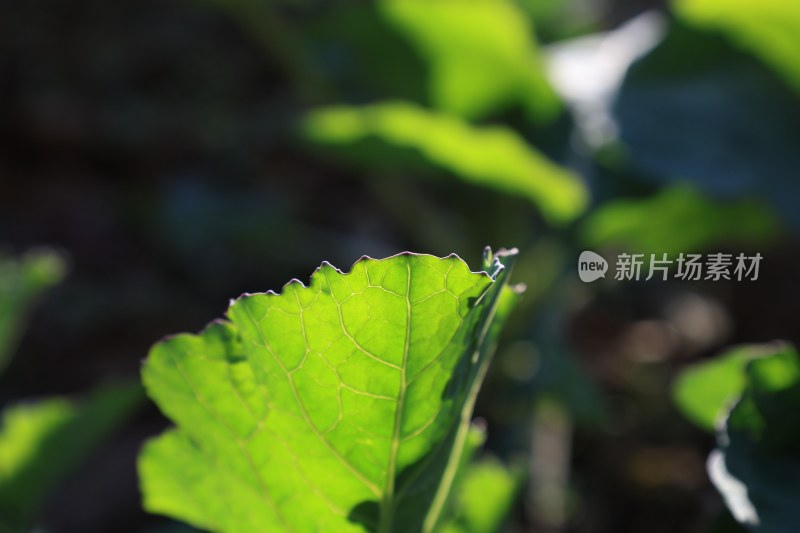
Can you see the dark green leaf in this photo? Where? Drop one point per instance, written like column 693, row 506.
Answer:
column 697, row 110
column 756, row 466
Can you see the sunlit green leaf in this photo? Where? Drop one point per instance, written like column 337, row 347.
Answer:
column 767, row 28
column 41, row 441
column 492, row 156
column 341, row 406
column 481, row 53
column 22, row 281
column 678, row 219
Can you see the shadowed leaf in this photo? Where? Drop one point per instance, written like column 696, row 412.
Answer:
column 756, row 466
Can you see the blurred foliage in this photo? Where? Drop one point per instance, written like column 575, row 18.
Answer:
column 678, row 219
column 756, row 466
column 560, row 375
column 465, row 514
column 695, row 109
column 494, row 157
column 486, row 493
column 41, row 442
column 482, row 56
column 22, row 281
column 767, row 28
column 707, row 390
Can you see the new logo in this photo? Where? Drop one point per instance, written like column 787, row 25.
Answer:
column 591, row 266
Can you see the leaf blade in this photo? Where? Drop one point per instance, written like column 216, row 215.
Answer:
column 356, row 379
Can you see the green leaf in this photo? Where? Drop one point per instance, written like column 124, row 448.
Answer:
column 341, row 406
column 493, row 156
column 476, row 437
column 766, row 28
column 705, row 391
column 22, row 281
column 678, row 219
column 697, row 110
column 485, row 496
column 756, row 466
column 41, row 441
column 482, row 55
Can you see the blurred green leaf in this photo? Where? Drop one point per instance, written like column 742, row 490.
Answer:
column 482, row 55
column 678, row 219
column 695, row 109
column 41, row 442
column 756, row 466
column 22, row 281
column 706, row 390
column 341, row 406
column 492, row 156
column 770, row 29
column 485, row 496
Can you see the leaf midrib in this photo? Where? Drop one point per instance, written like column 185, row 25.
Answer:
column 388, row 502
